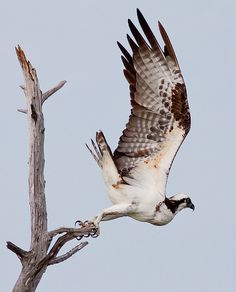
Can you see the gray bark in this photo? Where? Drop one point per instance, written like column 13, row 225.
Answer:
column 42, row 252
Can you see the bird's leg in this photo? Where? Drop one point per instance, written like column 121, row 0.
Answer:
column 113, row 212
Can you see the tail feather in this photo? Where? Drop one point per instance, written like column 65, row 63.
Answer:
column 103, row 156
column 100, row 149
column 96, row 157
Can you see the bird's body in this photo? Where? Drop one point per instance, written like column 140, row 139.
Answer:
column 136, row 174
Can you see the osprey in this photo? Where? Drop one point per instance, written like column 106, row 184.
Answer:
column 136, row 173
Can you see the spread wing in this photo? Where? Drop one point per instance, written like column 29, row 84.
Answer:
column 160, row 118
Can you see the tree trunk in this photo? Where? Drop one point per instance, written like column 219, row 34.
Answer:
column 41, row 254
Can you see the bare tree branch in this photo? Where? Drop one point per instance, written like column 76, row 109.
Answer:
column 60, row 242
column 17, row 250
column 53, row 90
column 67, row 255
column 69, row 235
column 85, row 230
column 41, row 253
column 23, row 111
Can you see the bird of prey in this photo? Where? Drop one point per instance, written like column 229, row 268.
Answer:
column 136, row 173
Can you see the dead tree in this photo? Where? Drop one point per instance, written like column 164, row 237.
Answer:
column 43, row 250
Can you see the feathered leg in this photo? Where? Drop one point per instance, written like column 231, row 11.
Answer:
column 113, row 212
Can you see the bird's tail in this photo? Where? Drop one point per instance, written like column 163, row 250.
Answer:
column 104, row 158
column 102, row 148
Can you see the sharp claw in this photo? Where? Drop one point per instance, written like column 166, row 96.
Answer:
column 79, row 237
column 79, row 222
column 82, row 224
column 87, row 235
column 95, row 231
column 85, row 223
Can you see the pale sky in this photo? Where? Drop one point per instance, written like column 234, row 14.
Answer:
column 76, row 41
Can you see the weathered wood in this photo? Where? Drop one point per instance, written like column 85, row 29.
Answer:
column 36, row 181
column 67, row 255
column 51, row 91
column 22, row 254
column 42, row 252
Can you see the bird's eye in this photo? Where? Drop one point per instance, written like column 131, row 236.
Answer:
column 188, row 201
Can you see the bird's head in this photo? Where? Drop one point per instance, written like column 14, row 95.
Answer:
column 179, row 202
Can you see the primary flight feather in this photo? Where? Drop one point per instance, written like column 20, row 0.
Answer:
column 136, row 173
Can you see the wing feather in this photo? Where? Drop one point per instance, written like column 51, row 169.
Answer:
column 160, row 118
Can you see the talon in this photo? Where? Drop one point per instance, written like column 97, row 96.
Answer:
column 87, row 235
column 95, row 233
column 79, row 237
column 96, row 230
column 83, row 224
column 79, row 222
column 86, row 223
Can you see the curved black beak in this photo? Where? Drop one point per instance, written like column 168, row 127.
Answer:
column 191, row 206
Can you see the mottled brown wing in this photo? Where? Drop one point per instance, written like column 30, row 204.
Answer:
column 158, row 99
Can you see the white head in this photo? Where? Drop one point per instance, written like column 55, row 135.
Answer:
column 178, row 202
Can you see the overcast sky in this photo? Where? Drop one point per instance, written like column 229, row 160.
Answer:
column 76, row 41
